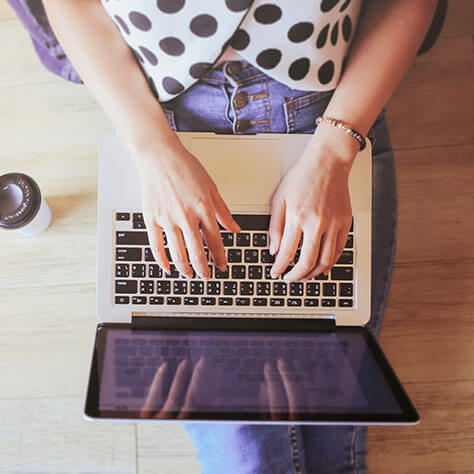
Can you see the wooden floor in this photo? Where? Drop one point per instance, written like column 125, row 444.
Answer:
column 50, row 128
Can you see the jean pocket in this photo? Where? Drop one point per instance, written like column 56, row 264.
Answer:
column 170, row 116
column 301, row 111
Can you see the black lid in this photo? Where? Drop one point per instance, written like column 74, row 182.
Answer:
column 20, row 200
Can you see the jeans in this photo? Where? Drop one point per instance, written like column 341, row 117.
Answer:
column 237, row 98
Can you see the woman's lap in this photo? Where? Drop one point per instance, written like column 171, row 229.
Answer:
column 244, row 100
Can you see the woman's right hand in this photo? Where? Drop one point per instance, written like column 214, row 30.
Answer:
column 180, row 198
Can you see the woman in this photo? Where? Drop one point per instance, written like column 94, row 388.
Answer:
column 238, row 66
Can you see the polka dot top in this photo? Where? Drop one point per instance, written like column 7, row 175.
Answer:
column 176, row 42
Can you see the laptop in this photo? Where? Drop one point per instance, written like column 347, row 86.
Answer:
column 240, row 347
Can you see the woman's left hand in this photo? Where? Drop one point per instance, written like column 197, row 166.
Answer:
column 312, row 203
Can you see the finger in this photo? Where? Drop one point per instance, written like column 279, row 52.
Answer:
column 308, row 256
column 222, row 212
column 287, row 250
column 198, row 380
column 276, row 394
column 178, row 251
column 326, row 254
column 197, row 256
column 174, row 401
column 155, row 397
column 277, row 223
column 155, row 238
column 291, row 381
column 214, row 242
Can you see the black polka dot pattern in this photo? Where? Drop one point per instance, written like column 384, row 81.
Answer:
column 269, row 58
column 238, row 5
column 267, row 14
column 139, row 21
column 240, row 40
column 299, row 69
column 197, row 70
column 172, row 46
column 151, row 58
column 300, row 32
column 170, row 6
column 122, row 24
column 303, row 44
column 203, row 25
column 172, row 86
column 326, row 72
column 346, row 28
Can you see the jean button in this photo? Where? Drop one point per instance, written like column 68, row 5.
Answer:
column 241, row 100
column 242, row 126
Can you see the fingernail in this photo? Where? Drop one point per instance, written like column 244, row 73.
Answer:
column 222, row 267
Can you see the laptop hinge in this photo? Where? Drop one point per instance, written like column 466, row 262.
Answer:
column 237, row 323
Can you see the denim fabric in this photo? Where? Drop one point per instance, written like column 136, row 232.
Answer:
column 229, row 95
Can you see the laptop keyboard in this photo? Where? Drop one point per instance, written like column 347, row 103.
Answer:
column 246, row 283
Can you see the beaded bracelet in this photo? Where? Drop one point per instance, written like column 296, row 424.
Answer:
column 343, row 126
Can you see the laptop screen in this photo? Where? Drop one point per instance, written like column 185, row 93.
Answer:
column 243, row 375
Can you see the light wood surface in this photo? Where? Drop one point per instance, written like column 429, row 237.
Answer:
column 50, row 128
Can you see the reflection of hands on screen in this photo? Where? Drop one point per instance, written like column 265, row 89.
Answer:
column 283, row 390
column 187, row 386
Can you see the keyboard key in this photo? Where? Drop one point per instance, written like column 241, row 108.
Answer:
column 311, row 302
column 251, row 256
column 227, row 239
column 246, row 288
column 196, row 287
column 263, row 288
column 213, row 288
column 352, row 225
column 329, row 289
column 345, row 303
column 138, row 299
column 268, row 269
column 234, row 256
column 147, row 286
column 126, row 286
column 132, row 254
column 255, row 272
column 279, row 288
column 277, row 302
column 122, row 270
column 137, row 216
column 138, row 270
column 122, row 216
column 260, row 301
column 221, row 274
column 293, row 301
column 242, row 301
column 328, row 302
column 259, row 240
column 243, row 239
column 208, row 301
column 296, row 289
column 163, row 287
column 173, row 300
column 154, row 271
column 238, row 272
column 226, row 301
column 350, row 242
column 139, row 225
column 122, row 300
column 191, row 300
column 345, row 289
column 266, row 256
column 173, row 273
column 342, row 273
column 149, row 255
column 312, row 289
column 346, row 258
column 321, row 276
column 180, row 287
column 230, row 288
column 156, row 300
column 131, row 238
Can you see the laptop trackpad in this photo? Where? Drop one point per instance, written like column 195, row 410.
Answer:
column 246, row 171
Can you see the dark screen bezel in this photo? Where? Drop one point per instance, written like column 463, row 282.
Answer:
column 409, row 414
